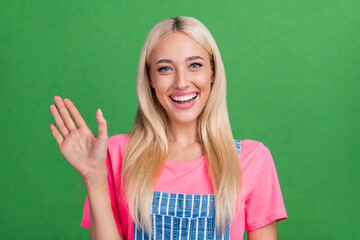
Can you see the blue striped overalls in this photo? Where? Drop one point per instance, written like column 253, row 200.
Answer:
column 183, row 216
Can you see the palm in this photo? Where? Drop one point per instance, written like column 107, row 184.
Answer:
column 78, row 145
column 80, row 148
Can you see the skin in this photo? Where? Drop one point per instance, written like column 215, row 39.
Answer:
column 178, row 64
column 187, row 69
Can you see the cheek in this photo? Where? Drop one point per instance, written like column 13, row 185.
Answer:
column 204, row 82
column 160, row 92
column 159, row 87
column 162, row 84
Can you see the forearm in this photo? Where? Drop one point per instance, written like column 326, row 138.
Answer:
column 102, row 222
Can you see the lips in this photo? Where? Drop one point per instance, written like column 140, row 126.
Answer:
column 184, row 100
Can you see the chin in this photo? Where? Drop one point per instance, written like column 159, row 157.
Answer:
column 184, row 119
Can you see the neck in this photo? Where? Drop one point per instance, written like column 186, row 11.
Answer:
column 184, row 134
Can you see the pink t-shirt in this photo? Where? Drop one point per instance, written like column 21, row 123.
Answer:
column 261, row 200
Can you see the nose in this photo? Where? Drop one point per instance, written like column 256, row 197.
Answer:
column 181, row 80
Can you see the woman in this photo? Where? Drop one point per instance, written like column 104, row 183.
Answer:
column 179, row 160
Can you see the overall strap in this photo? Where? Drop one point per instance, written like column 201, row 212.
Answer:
column 238, row 145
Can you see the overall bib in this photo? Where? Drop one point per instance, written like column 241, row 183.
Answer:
column 183, row 216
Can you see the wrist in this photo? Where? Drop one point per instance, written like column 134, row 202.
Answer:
column 95, row 178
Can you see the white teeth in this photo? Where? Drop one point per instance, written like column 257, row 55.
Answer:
column 184, row 98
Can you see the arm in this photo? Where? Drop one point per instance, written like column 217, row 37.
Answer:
column 102, row 220
column 87, row 154
column 267, row 232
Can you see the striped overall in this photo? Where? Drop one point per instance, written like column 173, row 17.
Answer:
column 183, row 216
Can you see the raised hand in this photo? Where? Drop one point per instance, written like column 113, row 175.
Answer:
column 85, row 152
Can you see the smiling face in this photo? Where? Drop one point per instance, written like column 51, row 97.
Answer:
column 181, row 76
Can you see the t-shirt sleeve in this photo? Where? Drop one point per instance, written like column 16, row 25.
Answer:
column 85, row 222
column 265, row 203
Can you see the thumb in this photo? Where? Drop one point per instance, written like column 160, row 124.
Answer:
column 101, row 125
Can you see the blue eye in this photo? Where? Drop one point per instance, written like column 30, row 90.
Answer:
column 163, row 69
column 195, row 65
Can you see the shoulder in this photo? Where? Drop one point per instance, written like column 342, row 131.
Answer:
column 252, row 147
column 117, row 141
column 251, row 144
column 115, row 149
column 254, row 155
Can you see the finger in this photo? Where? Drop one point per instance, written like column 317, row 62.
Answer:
column 59, row 122
column 69, row 123
column 59, row 139
column 75, row 113
column 102, row 125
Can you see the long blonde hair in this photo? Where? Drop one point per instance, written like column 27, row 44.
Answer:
column 147, row 146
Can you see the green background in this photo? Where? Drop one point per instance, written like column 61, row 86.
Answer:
column 293, row 83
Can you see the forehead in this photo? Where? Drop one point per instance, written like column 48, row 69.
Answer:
column 177, row 46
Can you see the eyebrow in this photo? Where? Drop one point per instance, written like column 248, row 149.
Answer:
column 186, row 59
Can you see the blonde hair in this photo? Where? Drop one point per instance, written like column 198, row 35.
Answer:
column 147, row 146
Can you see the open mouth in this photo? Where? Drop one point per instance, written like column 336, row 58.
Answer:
column 184, row 99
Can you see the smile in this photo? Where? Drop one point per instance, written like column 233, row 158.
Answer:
column 184, row 99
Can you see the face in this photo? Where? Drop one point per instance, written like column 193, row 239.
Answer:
column 181, row 76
